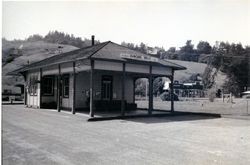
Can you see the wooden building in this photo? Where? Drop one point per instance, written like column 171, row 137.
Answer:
column 92, row 78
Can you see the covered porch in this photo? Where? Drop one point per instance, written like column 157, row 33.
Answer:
column 102, row 90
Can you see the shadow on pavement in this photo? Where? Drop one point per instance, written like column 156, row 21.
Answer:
column 161, row 117
column 165, row 119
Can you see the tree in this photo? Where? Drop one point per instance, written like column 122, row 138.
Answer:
column 233, row 60
column 171, row 53
column 204, row 47
column 140, row 87
column 158, row 86
column 187, row 52
column 129, row 45
column 188, row 48
column 62, row 38
column 143, row 48
column 35, row 37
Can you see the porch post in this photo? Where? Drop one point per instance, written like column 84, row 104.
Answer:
column 134, row 90
column 123, row 91
column 40, row 95
column 25, row 90
column 150, row 99
column 25, row 96
column 91, row 110
column 172, row 91
column 73, row 89
column 59, row 89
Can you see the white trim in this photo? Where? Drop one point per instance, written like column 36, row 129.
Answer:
column 136, row 68
column 107, row 65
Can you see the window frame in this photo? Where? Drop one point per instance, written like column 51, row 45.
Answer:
column 64, row 78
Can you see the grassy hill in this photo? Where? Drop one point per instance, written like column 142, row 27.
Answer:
column 192, row 68
column 197, row 68
column 29, row 52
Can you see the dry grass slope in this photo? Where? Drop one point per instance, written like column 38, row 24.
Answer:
column 192, row 68
column 32, row 52
column 197, row 68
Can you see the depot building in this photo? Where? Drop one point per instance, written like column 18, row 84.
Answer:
column 101, row 76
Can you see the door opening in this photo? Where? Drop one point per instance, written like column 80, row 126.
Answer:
column 107, row 85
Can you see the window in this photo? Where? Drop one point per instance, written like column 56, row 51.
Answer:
column 107, row 87
column 33, row 80
column 48, row 86
column 65, row 79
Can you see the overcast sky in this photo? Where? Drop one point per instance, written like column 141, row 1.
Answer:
column 166, row 23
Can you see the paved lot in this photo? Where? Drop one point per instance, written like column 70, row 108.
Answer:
column 48, row 137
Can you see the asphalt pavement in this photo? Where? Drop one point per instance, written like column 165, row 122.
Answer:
column 38, row 136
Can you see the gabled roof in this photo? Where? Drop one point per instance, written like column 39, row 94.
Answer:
column 74, row 55
column 103, row 51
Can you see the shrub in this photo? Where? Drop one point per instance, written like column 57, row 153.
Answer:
column 211, row 95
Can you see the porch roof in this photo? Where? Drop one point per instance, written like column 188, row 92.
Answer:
column 108, row 51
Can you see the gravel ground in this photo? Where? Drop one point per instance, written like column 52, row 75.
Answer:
column 32, row 136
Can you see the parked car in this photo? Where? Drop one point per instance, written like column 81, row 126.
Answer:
column 165, row 96
column 246, row 94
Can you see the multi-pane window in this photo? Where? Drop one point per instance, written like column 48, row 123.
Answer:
column 65, row 79
column 33, row 84
column 48, row 86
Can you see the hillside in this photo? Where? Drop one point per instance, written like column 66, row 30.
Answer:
column 192, row 68
column 29, row 52
column 197, row 68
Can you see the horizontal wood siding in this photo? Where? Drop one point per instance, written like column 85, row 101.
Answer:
column 129, row 85
column 82, row 89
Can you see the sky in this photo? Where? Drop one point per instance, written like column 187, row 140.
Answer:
column 156, row 23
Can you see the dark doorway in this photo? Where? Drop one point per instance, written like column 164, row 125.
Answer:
column 48, row 99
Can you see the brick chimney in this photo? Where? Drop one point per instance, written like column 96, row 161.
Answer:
column 92, row 40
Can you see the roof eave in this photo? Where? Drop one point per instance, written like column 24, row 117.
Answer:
column 179, row 68
column 15, row 73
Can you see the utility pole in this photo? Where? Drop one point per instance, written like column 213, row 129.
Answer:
column 146, row 89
